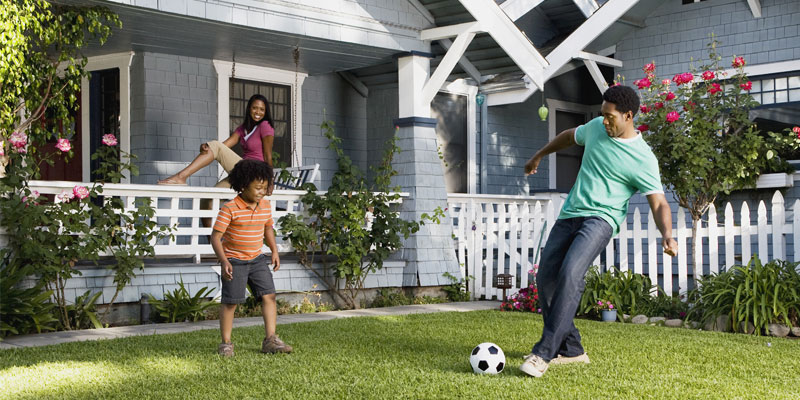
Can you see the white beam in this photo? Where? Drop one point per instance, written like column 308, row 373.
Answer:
column 612, row 62
column 607, row 51
column 509, row 37
column 423, row 11
column 755, row 7
column 594, row 70
column 586, row 33
column 515, row 9
column 446, row 66
column 359, row 86
column 467, row 66
column 587, row 7
column 445, row 32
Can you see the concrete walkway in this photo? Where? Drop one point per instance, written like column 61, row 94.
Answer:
column 46, row 339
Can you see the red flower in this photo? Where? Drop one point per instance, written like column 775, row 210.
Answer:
column 642, row 83
column 673, row 116
column 670, row 96
column 644, row 109
column 714, row 88
column 746, row 86
column 666, row 82
column 658, row 105
column 708, row 75
column 738, row 62
column 649, row 67
column 685, row 77
column 796, row 130
column 643, row 128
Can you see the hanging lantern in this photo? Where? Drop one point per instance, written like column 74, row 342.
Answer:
column 480, row 98
column 543, row 111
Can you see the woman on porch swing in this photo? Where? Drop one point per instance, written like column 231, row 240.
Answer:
column 255, row 135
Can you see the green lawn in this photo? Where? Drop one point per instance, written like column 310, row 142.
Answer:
column 414, row 356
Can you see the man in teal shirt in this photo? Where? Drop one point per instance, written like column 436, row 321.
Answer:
column 616, row 164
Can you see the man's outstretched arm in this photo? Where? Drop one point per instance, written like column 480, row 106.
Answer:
column 662, row 214
column 564, row 140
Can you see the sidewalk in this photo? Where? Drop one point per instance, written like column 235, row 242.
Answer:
column 50, row 338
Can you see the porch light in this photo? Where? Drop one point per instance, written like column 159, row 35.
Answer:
column 543, row 111
column 480, row 98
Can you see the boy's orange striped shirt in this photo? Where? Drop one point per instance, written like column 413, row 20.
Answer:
column 243, row 228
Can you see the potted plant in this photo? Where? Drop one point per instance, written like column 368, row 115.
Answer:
column 606, row 310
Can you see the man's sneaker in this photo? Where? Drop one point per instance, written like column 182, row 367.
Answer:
column 225, row 349
column 274, row 344
column 583, row 358
column 534, row 365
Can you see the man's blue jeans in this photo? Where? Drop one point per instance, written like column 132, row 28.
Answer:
column 571, row 247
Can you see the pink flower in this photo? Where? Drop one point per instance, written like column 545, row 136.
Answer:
column 65, row 196
column 714, row 88
column 109, row 139
column 610, row 306
column 539, row 310
column 642, row 83
column 80, row 192
column 617, row 84
column 666, row 82
column 708, row 75
column 649, row 67
column 685, row 77
column 796, row 130
column 18, row 140
column 2, row 148
column 670, row 96
column 746, row 86
column 658, row 105
column 738, row 62
column 63, row 145
column 643, row 128
column 644, row 109
column 673, row 116
column 599, row 303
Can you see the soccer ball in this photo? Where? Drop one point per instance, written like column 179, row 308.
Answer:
column 487, row 358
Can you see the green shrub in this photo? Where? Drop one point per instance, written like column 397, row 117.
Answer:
column 389, row 297
column 629, row 292
column 83, row 314
column 23, row 310
column 179, row 305
column 457, row 291
column 757, row 293
column 665, row 306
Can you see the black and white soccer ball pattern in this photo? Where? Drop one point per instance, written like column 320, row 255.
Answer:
column 487, row 358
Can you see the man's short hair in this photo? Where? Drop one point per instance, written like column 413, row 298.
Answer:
column 247, row 171
column 624, row 98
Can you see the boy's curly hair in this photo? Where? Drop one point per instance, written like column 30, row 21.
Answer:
column 247, row 171
column 624, row 98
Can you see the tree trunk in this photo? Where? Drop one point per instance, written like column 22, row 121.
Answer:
column 697, row 251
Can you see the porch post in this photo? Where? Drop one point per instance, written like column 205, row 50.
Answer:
column 429, row 253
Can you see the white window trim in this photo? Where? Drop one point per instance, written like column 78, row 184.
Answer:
column 460, row 87
column 122, row 61
column 259, row 74
column 556, row 106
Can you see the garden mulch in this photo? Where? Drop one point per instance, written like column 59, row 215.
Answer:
column 50, row 338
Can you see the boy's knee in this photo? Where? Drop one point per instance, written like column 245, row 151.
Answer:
column 269, row 297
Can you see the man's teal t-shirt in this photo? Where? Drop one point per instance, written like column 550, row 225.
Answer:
column 612, row 170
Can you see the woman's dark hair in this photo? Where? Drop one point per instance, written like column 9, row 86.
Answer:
column 624, row 98
column 247, row 171
column 249, row 124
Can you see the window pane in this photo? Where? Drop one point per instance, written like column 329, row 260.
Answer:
column 780, row 83
column 768, row 98
column 794, row 95
column 756, row 86
column 781, row 96
column 768, row 84
column 794, row 82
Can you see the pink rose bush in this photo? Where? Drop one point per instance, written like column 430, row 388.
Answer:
column 18, row 141
column 81, row 192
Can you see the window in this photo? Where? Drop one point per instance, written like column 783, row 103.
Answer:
column 280, row 105
column 282, row 90
column 774, row 90
column 103, row 110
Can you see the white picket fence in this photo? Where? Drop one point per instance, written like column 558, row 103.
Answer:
column 505, row 235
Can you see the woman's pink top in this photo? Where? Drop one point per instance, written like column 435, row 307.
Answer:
column 253, row 147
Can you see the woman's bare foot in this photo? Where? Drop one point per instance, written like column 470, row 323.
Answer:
column 173, row 180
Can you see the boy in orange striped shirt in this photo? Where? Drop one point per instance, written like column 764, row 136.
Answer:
column 240, row 230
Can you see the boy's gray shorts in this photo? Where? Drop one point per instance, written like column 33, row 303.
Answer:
column 255, row 272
